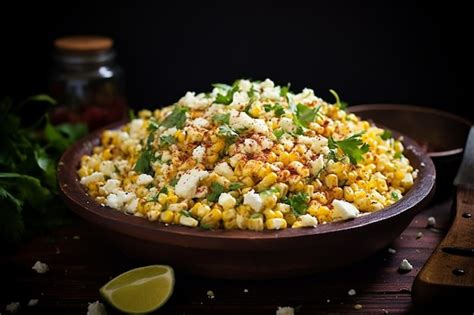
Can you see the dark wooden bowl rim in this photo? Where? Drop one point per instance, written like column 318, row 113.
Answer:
column 76, row 197
column 417, row 109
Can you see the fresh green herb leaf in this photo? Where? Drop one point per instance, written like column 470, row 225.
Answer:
column 305, row 115
column 352, row 146
column 227, row 98
column 177, row 118
column 256, row 215
column 205, row 226
column 284, row 90
column 270, row 191
column 186, row 213
column 163, row 190
column 299, row 203
column 216, row 190
column 131, row 114
column 62, row 136
column 41, row 98
column 395, row 196
column 222, row 86
column 222, row 118
column 153, row 198
column 143, row 164
column 387, row 134
column 227, row 132
column 153, row 125
column 341, row 105
column 235, row 186
column 267, row 107
column 397, row 155
column 167, row 140
column 278, row 133
column 279, row 110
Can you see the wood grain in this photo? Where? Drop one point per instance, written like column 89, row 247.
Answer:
column 441, row 277
column 79, row 267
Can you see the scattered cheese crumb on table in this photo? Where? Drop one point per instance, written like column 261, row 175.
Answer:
column 33, row 302
column 96, row 308
column 40, row 267
column 285, row 310
column 392, row 250
column 351, row 292
column 405, row 265
column 431, row 222
column 358, row 306
column 13, row 307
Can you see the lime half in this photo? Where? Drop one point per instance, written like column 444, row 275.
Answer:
column 140, row 290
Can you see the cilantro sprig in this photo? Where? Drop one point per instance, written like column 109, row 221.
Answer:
column 352, row 146
column 339, row 103
column 177, row 118
column 305, row 115
column 298, row 203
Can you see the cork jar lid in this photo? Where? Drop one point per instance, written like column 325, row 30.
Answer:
column 83, row 44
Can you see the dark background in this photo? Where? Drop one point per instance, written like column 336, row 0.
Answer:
column 370, row 52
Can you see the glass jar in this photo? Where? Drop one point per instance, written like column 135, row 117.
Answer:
column 86, row 82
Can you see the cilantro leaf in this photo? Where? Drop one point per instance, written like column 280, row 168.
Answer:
column 177, row 118
column 226, row 98
column 167, row 140
column 352, row 146
column 387, row 134
column 227, row 132
column 222, row 118
column 143, row 164
column 305, row 115
column 174, row 181
column 235, row 186
column 185, row 213
column 216, row 190
column 339, row 103
column 153, row 125
column 299, row 203
column 278, row 133
column 395, row 196
column 284, row 90
column 398, row 155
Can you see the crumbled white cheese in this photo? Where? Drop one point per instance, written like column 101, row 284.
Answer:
column 200, row 122
column 351, row 292
column 358, row 306
column 188, row 183
column 193, row 101
column 405, row 265
column 251, row 146
column 307, row 96
column 227, row 201
column 285, row 310
column 392, row 250
column 308, row 220
column 188, row 221
column 119, row 199
column 317, row 165
column 13, row 307
column 246, row 290
column 344, row 210
column 96, row 308
column 40, row 267
column 210, row 294
column 316, row 143
column 287, row 142
column 235, row 159
column 136, row 127
column 431, row 222
column 245, row 85
column 198, row 153
column 240, row 120
column 287, row 124
column 267, row 84
column 419, row 235
column 260, row 126
column 266, row 143
column 169, row 132
column 271, row 93
column 253, row 200
column 166, row 156
column 144, row 179
column 107, row 168
column 407, row 181
column 131, row 206
column 224, row 169
column 239, row 98
column 93, row 178
column 240, row 220
column 33, row 302
column 112, row 186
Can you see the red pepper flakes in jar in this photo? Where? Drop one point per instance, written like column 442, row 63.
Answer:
column 86, row 82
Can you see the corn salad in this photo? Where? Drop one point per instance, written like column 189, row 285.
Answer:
column 250, row 155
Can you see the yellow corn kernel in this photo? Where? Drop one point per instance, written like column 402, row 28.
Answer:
column 275, row 224
column 172, row 198
column 264, row 171
column 323, row 214
column 285, row 158
column 269, row 214
column 83, row 172
column 282, row 208
column 271, row 157
column 321, row 197
column 248, row 182
column 177, row 207
column 331, row 181
column 153, row 215
column 228, row 215
column 212, row 158
column 269, row 200
column 255, row 224
column 309, row 190
column 180, row 136
column 106, row 155
column 231, row 224
column 141, row 192
column 298, row 186
column 337, row 193
column 266, row 182
column 213, row 217
column 297, row 225
column 162, row 198
column 176, row 217
column 256, row 110
column 290, row 218
column 348, row 193
column 217, row 146
column 278, row 214
column 282, row 189
column 167, row 216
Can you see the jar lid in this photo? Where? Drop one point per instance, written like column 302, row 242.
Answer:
column 83, row 44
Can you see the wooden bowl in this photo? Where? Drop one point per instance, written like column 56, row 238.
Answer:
column 237, row 254
column 442, row 135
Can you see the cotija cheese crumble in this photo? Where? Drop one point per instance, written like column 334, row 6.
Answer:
column 250, row 155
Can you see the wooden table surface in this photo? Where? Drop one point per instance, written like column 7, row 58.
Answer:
column 81, row 262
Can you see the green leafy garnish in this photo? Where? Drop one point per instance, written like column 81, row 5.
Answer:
column 222, row 118
column 216, row 190
column 339, row 103
column 177, row 118
column 277, row 108
column 205, row 226
column 174, row 181
column 299, row 203
column 395, row 196
column 227, row 132
column 131, row 114
column 235, row 186
column 270, row 191
column 278, row 133
column 305, row 115
column 167, row 140
column 153, row 126
column 352, row 146
column 397, row 155
column 143, row 164
column 387, row 134
column 186, row 213
column 226, row 98
column 284, row 90
column 256, row 215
